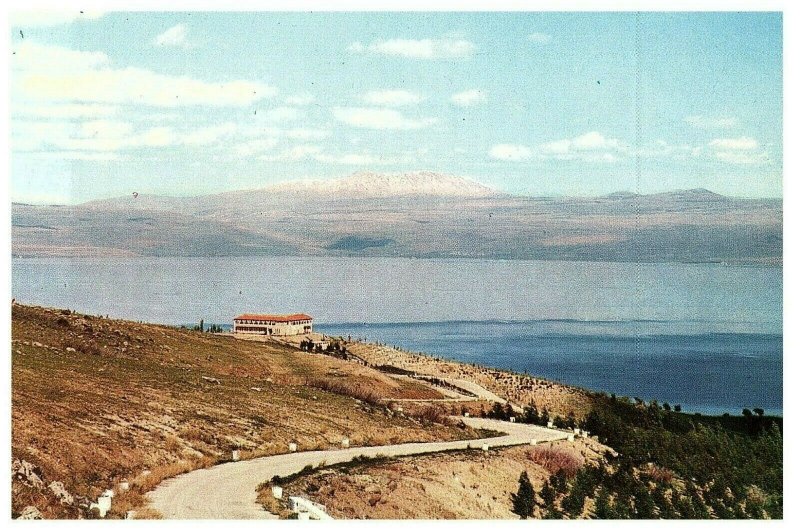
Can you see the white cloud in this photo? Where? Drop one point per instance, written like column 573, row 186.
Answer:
column 510, row 152
column 110, row 136
column 356, row 47
column 468, row 98
column 300, row 152
column 156, row 137
column 353, row 159
column 743, row 143
column 741, row 150
column 444, row 48
column 67, row 110
column 313, row 152
column 540, row 38
column 371, row 118
column 595, row 141
column 210, row 134
column 281, row 114
column 663, row 149
column 51, row 74
column 265, row 139
column 301, row 133
column 105, row 129
column 176, row 36
column 392, row 98
column 32, row 58
column 738, row 157
column 299, row 100
column 49, row 17
column 253, row 147
column 591, row 146
column 711, row 122
column 82, row 155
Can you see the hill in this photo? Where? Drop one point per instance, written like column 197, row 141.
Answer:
column 96, row 401
column 419, row 214
column 100, row 403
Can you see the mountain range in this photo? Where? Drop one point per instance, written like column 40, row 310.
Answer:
column 416, row 214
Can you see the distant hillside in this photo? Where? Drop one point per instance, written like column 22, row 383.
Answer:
column 369, row 184
column 418, row 214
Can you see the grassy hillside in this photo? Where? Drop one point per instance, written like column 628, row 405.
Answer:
column 96, row 401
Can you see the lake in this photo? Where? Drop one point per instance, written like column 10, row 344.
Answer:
column 706, row 336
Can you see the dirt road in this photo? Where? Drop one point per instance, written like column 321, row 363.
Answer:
column 228, row 491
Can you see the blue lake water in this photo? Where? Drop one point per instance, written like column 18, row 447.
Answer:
column 709, row 373
column 706, row 336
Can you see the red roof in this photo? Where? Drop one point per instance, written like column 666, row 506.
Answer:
column 276, row 318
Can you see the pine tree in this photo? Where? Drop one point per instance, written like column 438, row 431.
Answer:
column 644, row 504
column 602, row 506
column 532, row 414
column 559, row 481
column 548, row 494
column 523, row 501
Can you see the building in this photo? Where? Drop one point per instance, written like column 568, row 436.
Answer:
column 273, row 325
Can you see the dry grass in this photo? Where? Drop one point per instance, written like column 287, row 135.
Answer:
column 432, row 414
column 95, row 401
column 555, row 459
column 453, row 485
column 271, row 504
column 659, row 474
column 147, row 482
column 357, row 390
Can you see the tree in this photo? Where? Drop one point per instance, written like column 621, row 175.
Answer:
column 667, row 406
column 571, row 422
column 758, row 411
column 573, row 503
column 531, row 415
column 602, row 506
column 548, row 494
column 523, row 501
column 747, row 413
column 496, row 411
column 644, row 504
column 559, row 481
column 678, row 408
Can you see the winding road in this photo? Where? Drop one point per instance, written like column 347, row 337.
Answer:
column 228, row 491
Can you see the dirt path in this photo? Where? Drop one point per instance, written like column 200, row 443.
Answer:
column 228, row 491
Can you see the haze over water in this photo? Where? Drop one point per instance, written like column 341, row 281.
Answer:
column 706, row 336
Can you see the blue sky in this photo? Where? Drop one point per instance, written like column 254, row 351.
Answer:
column 531, row 103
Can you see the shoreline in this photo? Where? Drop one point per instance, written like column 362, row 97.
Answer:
column 509, row 384
column 431, row 359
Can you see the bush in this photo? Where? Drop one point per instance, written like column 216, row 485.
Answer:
column 339, row 387
column 555, row 460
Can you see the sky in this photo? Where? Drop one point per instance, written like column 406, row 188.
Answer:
column 541, row 104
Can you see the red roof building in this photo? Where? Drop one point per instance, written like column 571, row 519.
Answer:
column 273, row 325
